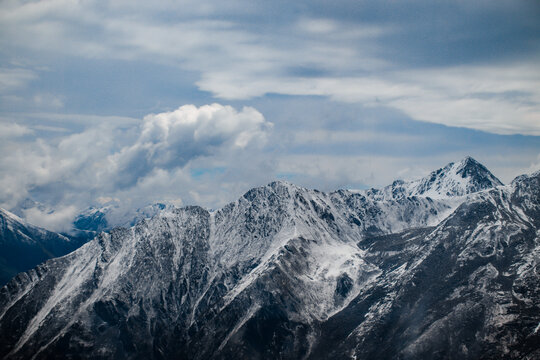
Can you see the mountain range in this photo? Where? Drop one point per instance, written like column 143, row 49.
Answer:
column 444, row 267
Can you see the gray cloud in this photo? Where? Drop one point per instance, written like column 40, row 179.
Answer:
column 58, row 219
column 352, row 52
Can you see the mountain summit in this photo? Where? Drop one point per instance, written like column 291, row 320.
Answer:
column 455, row 179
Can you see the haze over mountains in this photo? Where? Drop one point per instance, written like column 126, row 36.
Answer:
column 442, row 267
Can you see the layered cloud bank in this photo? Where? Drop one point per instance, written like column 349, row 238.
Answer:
column 456, row 64
column 154, row 158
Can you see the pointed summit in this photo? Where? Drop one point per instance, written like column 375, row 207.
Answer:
column 470, row 168
column 455, row 179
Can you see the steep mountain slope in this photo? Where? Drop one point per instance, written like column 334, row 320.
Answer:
column 468, row 288
column 23, row 246
column 286, row 272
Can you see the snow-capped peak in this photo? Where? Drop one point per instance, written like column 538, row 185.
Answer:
column 455, row 179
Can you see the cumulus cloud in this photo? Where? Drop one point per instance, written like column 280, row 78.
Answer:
column 12, row 130
column 172, row 139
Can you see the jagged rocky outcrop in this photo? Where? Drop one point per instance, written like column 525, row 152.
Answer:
column 287, row 272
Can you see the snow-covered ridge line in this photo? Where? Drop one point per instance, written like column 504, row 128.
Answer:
column 454, row 180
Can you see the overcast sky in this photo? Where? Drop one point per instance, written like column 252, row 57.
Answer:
column 195, row 102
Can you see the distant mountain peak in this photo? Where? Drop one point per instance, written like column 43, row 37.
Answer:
column 455, row 179
column 472, row 168
column 280, row 188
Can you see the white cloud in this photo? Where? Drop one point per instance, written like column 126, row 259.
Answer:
column 467, row 96
column 106, row 199
column 58, row 220
column 12, row 130
column 317, row 26
column 535, row 166
column 48, row 100
column 503, row 99
column 208, row 125
column 15, row 78
column 172, row 139
column 334, row 172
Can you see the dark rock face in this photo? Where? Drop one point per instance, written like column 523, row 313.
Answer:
column 23, row 246
column 290, row 273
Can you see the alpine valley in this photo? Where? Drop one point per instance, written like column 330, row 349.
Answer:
column 444, row 267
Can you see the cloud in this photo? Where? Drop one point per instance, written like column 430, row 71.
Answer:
column 172, row 139
column 535, row 166
column 13, row 130
column 48, row 100
column 476, row 97
column 331, row 172
column 58, row 220
column 444, row 64
column 503, row 99
column 147, row 162
column 15, row 78
column 211, row 154
column 340, row 82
